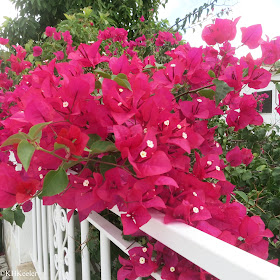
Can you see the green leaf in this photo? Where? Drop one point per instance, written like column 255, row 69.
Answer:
column 149, row 66
column 8, row 215
column 245, row 72
column 100, row 147
column 103, row 74
column 93, row 138
column 274, row 206
column 105, row 167
column 122, row 76
column 247, row 175
column 159, row 66
column 14, row 139
column 276, row 175
column 273, row 224
column 25, row 151
column 19, row 217
column 58, row 146
column 207, row 92
column 122, row 82
column 261, row 167
column 55, row 182
column 211, row 74
column 242, row 195
column 36, row 130
column 222, row 89
column 277, row 86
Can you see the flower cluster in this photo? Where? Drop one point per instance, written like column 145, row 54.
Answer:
column 91, row 138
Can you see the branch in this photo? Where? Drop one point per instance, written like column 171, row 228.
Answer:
column 193, row 90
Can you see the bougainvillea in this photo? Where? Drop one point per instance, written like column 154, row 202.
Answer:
column 98, row 130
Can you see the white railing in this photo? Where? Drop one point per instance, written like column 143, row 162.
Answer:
column 54, row 247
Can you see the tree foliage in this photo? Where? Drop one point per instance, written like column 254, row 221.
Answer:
column 35, row 15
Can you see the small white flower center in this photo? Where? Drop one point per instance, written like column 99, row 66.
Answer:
column 217, row 145
column 214, row 185
column 209, row 162
column 120, row 90
column 199, row 100
column 184, row 135
column 144, row 250
column 86, row 183
column 145, row 130
column 195, row 210
column 218, row 168
column 142, row 260
column 143, row 154
column 172, row 268
column 39, row 168
column 119, row 104
column 41, row 176
column 201, row 207
column 65, row 104
column 179, row 126
column 172, row 65
column 150, row 143
column 194, row 193
column 166, row 123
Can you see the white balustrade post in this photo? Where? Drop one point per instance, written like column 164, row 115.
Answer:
column 45, row 241
column 59, row 240
column 39, row 235
column 105, row 257
column 85, row 251
column 71, row 249
column 34, row 231
column 51, row 241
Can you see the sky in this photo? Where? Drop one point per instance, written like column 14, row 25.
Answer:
column 252, row 12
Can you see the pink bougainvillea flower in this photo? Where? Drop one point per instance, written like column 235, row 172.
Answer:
column 59, row 55
column 251, row 36
column 4, row 41
column 13, row 189
column 50, row 31
column 209, row 166
column 219, row 32
column 57, row 36
column 260, row 78
column 27, row 206
column 252, row 229
column 142, row 18
column 37, row 51
column 246, row 114
column 74, row 139
column 132, row 221
column 247, row 156
column 67, row 37
column 234, row 156
column 270, row 50
column 141, row 259
column 26, row 190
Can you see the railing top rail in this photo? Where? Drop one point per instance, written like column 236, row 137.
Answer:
column 219, row 258
column 114, row 234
